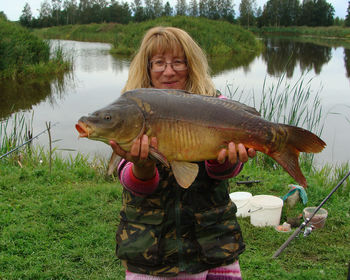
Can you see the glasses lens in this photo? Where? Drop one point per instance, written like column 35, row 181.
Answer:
column 160, row 65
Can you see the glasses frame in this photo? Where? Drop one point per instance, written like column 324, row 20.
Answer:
column 166, row 64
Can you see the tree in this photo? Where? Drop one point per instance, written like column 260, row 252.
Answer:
column 225, row 10
column 157, row 8
column 26, row 17
column 181, row 7
column 316, row 13
column 138, row 10
column 70, row 11
column 203, row 8
column 45, row 13
column 347, row 17
column 168, row 10
column 193, row 9
column 56, row 9
column 247, row 10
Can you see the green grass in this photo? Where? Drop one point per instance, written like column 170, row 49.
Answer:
column 217, row 38
column 25, row 56
column 330, row 32
column 61, row 225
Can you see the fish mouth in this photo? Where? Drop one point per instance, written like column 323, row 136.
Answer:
column 83, row 129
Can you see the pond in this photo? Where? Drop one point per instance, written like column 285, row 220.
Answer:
column 98, row 79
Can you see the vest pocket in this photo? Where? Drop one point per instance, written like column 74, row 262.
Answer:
column 218, row 234
column 138, row 235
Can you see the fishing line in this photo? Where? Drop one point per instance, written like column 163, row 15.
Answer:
column 296, row 232
column 28, row 141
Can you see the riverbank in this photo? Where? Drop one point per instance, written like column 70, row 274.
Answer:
column 61, row 223
column 217, row 38
column 334, row 35
column 25, row 56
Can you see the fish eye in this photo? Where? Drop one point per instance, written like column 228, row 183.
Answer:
column 108, row 117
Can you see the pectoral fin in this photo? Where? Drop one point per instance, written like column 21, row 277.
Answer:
column 113, row 163
column 185, row 172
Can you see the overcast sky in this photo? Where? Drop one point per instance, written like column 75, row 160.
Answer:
column 13, row 8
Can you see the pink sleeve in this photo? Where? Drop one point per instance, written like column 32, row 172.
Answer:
column 222, row 171
column 134, row 185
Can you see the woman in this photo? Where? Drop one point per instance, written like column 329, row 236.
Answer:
column 166, row 230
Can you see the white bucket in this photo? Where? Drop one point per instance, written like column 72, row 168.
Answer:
column 265, row 210
column 241, row 199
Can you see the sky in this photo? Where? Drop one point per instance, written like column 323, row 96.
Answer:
column 13, row 8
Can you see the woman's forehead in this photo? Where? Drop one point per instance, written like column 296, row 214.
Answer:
column 162, row 48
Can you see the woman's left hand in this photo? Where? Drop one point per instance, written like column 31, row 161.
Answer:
column 234, row 153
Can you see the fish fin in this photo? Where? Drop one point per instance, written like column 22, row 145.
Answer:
column 249, row 109
column 185, row 172
column 288, row 159
column 156, row 155
column 298, row 140
column 113, row 163
column 304, row 140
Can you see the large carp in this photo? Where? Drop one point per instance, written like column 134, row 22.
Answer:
column 192, row 127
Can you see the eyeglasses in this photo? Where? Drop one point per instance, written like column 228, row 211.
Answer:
column 160, row 65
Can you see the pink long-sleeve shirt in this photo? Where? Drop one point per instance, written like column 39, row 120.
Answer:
column 139, row 187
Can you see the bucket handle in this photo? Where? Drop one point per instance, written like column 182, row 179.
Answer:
column 251, row 211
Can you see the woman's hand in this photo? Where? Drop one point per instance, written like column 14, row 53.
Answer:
column 234, row 153
column 143, row 167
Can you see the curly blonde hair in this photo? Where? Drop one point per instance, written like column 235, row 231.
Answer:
column 161, row 39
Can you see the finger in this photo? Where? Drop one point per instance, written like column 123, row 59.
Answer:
column 144, row 147
column 154, row 142
column 116, row 148
column 242, row 152
column 251, row 152
column 222, row 156
column 135, row 150
column 232, row 153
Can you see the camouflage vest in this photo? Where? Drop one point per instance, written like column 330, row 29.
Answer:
column 176, row 229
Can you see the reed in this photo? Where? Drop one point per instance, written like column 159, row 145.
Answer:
column 13, row 132
column 289, row 103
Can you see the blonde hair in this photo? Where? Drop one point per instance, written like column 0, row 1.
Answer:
column 161, row 39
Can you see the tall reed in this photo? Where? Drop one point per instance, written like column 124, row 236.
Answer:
column 289, row 103
column 14, row 131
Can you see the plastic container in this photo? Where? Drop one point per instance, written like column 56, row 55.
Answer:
column 241, row 199
column 319, row 219
column 265, row 210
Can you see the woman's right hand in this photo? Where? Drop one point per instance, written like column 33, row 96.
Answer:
column 143, row 166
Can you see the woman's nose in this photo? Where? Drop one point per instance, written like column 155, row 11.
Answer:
column 168, row 69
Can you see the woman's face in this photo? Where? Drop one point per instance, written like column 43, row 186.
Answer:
column 168, row 71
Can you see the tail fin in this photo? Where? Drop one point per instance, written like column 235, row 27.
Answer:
column 297, row 140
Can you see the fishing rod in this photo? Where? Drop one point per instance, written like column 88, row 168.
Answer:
column 303, row 225
column 28, row 141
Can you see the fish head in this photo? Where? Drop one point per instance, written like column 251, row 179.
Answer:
column 120, row 122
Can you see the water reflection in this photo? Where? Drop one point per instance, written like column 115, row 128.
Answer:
column 347, row 61
column 24, row 95
column 284, row 55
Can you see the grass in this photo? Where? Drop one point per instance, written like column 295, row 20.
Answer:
column 217, row 38
column 25, row 56
column 61, row 225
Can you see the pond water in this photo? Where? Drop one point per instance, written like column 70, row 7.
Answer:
column 98, row 77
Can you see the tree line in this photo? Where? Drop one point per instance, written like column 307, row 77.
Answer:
column 273, row 13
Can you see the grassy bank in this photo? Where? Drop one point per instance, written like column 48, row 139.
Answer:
column 24, row 55
column 333, row 32
column 61, row 224
column 216, row 37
